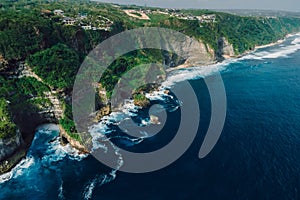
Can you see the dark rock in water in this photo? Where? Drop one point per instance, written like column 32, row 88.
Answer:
column 144, row 103
column 63, row 141
column 154, row 119
column 167, row 91
column 74, row 143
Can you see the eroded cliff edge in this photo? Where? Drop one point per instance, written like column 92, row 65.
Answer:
column 14, row 149
column 32, row 110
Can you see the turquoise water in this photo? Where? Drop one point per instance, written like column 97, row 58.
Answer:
column 257, row 156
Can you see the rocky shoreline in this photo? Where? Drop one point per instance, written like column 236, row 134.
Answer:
column 65, row 139
column 226, row 52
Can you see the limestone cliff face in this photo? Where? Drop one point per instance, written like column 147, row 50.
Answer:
column 52, row 113
column 8, row 146
column 181, row 54
column 198, row 53
column 13, row 149
column 225, row 49
column 193, row 52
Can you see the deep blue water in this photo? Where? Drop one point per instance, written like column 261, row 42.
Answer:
column 257, row 156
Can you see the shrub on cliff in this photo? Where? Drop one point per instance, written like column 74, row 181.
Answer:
column 57, row 65
column 7, row 127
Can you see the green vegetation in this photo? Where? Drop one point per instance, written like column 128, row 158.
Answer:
column 20, row 34
column 22, row 94
column 68, row 124
column 57, row 65
column 7, row 127
column 127, row 62
column 247, row 32
column 137, row 14
column 31, row 32
column 141, row 100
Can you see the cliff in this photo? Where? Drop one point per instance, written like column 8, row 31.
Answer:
column 28, row 116
column 225, row 49
column 66, row 138
column 41, row 92
column 9, row 145
column 196, row 53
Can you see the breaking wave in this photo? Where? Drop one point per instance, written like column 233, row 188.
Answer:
column 45, row 150
column 98, row 181
column 281, row 51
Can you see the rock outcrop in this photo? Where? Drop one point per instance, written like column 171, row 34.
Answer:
column 225, row 49
column 11, row 151
column 193, row 52
column 14, row 149
column 65, row 138
column 56, row 110
column 9, row 145
column 23, row 70
column 19, row 144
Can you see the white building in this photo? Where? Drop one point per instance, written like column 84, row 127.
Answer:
column 69, row 21
column 59, row 12
column 86, row 27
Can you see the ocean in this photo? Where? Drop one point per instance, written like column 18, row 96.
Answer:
column 256, row 157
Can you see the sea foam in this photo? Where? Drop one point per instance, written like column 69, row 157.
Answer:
column 280, row 52
column 18, row 170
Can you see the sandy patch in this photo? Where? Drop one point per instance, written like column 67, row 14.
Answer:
column 137, row 14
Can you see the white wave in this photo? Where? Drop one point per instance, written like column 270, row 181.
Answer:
column 96, row 182
column 133, row 140
column 146, row 122
column 22, row 166
column 18, row 170
column 57, row 152
column 100, row 130
column 61, row 191
column 192, row 73
column 281, row 52
column 99, row 139
column 54, row 152
column 296, row 41
column 73, row 153
column 88, row 191
column 5, row 177
column 130, row 109
column 173, row 109
column 159, row 94
column 48, row 127
column 120, row 159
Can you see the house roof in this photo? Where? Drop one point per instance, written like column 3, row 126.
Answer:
column 69, row 19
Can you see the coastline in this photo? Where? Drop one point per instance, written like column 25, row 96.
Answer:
column 9, row 163
column 227, row 57
column 271, row 44
column 277, row 42
column 74, row 143
column 21, row 152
